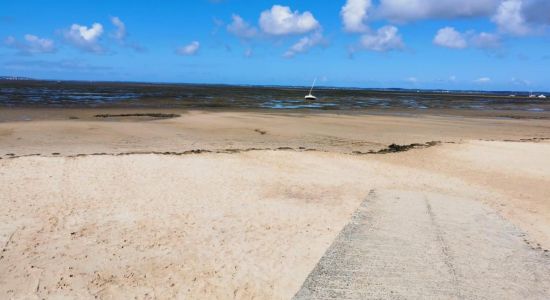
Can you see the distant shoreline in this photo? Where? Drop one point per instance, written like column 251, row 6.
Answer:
column 519, row 93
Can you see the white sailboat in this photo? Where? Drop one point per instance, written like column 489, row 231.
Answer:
column 310, row 97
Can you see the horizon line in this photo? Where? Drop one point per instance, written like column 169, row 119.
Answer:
column 24, row 78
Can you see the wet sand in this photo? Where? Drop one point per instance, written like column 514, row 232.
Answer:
column 54, row 131
column 111, row 208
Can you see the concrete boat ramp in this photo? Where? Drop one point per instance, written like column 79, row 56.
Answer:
column 407, row 245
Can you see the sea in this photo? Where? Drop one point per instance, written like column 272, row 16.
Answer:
column 79, row 94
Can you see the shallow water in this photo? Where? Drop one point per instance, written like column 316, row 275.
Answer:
column 141, row 95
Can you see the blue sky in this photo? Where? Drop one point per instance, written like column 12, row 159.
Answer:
column 469, row 44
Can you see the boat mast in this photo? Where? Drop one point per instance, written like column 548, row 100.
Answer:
column 312, row 86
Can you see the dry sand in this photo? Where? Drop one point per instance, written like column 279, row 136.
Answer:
column 250, row 224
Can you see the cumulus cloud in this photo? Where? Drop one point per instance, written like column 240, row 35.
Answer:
column 411, row 10
column 515, row 17
column 190, row 49
column 120, row 32
column 386, row 38
column 354, row 15
column 85, row 38
column 280, row 20
column 522, row 17
column 450, row 38
column 241, row 28
column 305, row 43
column 509, row 18
column 31, row 44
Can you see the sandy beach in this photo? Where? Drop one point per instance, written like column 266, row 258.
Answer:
column 246, row 204
column 288, row 150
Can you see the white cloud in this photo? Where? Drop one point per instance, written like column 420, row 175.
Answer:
column 354, row 14
column 411, row 10
column 510, row 19
column 120, row 33
column 31, row 44
column 483, row 80
column 85, row 38
column 305, row 43
column 190, row 49
column 280, row 20
column 516, row 17
column 384, row 39
column 450, row 38
column 241, row 28
column 522, row 17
